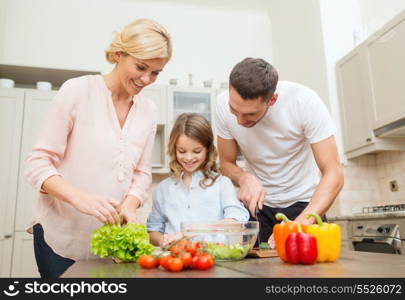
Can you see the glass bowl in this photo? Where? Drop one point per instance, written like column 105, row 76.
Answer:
column 224, row 240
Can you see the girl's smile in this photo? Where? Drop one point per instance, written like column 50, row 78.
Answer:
column 190, row 154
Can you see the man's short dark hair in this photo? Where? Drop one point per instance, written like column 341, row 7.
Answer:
column 253, row 78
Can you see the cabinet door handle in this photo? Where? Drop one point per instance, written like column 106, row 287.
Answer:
column 368, row 139
column 7, row 236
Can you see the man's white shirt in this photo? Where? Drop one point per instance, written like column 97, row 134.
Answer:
column 277, row 149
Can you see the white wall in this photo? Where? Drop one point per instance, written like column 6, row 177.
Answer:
column 208, row 40
column 298, row 48
column 376, row 13
column 3, row 11
column 342, row 31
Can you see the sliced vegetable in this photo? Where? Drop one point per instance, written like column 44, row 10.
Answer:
column 264, row 246
column 233, row 252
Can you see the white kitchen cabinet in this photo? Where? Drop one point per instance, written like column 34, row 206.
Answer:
column 21, row 113
column 371, row 90
column 353, row 95
column 11, row 114
column 24, row 263
column 158, row 94
column 159, row 157
column 36, row 106
column 190, row 100
column 6, row 254
column 386, row 62
column 172, row 102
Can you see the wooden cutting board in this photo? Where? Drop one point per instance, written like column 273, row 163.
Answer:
column 256, row 252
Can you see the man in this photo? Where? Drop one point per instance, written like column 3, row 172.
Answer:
column 286, row 135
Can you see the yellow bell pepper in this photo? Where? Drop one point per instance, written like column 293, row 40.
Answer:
column 327, row 237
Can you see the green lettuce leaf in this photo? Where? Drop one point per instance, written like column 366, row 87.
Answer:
column 125, row 243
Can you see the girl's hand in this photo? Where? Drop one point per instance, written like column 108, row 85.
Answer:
column 105, row 209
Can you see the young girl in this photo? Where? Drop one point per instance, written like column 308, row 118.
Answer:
column 195, row 192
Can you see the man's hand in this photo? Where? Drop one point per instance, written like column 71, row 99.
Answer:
column 271, row 242
column 251, row 192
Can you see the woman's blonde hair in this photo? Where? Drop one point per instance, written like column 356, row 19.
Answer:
column 197, row 128
column 142, row 39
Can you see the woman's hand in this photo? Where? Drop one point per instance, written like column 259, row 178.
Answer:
column 105, row 209
column 127, row 210
column 168, row 238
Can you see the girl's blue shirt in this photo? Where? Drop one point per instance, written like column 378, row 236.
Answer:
column 173, row 203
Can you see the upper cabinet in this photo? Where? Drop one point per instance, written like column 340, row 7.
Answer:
column 190, row 100
column 173, row 101
column 371, row 92
column 353, row 95
column 385, row 54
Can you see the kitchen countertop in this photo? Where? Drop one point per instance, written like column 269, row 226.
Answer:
column 350, row 264
column 376, row 215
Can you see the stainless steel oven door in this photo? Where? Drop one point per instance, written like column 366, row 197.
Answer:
column 377, row 244
column 376, row 237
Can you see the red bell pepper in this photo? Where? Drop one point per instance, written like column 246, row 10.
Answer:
column 301, row 248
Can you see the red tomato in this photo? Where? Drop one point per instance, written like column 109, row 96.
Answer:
column 187, row 259
column 175, row 264
column 194, row 262
column 192, row 249
column 202, row 262
column 148, row 261
column 179, row 246
column 164, row 261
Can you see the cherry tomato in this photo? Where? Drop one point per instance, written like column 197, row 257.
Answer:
column 193, row 248
column 179, row 246
column 187, row 259
column 194, row 262
column 164, row 261
column 148, row 261
column 175, row 264
column 202, row 262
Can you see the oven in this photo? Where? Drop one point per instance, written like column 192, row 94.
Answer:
column 381, row 231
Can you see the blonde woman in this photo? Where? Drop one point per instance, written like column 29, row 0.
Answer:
column 91, row 162
column 195, row 191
